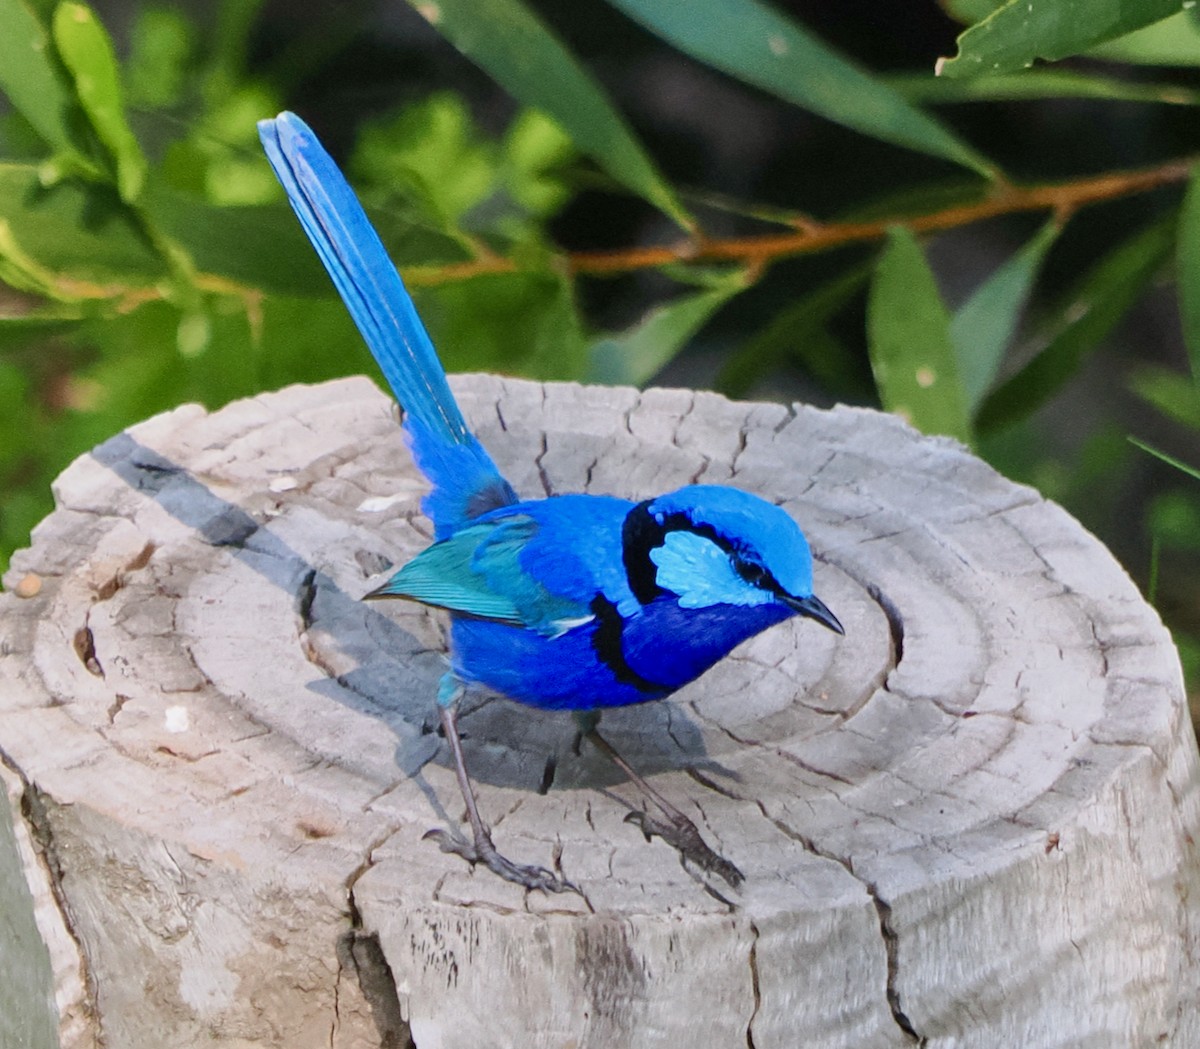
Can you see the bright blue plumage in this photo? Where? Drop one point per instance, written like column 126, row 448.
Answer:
column 576, row 602
column 465, row 480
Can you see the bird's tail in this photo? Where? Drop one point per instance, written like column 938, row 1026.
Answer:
column 465, row 481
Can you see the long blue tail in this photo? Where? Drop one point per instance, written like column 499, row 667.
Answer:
column 465, row 481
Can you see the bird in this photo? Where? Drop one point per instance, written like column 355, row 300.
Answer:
column 572, row 602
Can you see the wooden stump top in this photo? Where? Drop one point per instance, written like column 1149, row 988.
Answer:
column 971, row 819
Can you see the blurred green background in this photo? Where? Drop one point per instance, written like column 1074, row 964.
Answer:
column 774, row 202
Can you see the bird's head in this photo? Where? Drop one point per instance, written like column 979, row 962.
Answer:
column 711, row 545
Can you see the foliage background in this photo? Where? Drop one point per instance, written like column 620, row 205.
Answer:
column 772, row 201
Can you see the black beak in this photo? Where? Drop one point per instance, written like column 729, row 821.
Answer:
column 814, row 608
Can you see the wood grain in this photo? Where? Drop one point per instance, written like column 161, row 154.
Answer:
column 970, row 822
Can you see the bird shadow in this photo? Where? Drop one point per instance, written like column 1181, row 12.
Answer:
column 392, row 674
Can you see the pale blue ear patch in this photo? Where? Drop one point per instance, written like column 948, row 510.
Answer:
column 701, row 573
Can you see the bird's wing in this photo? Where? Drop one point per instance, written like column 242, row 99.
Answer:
column 466, row 483
column 479, row 571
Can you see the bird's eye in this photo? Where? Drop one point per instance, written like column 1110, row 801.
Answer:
column 754, row 574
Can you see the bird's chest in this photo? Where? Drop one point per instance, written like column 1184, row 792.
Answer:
column 674, row 645
column 611, row 661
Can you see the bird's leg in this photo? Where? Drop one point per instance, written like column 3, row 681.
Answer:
column 679, row 831
column 481, row 849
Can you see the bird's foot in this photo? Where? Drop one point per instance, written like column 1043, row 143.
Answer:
column 681, row 834
column 483, row 851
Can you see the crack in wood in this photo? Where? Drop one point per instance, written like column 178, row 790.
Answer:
column 35, row 814
column 362, row 954
column 543, row 476
column 754, row 986
column 891, row 943
column 883, row 912
column 895, row 621
column 548, row 772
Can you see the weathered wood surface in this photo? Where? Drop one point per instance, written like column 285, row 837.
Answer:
column 970, row 822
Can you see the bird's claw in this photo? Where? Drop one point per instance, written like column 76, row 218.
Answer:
column 483, row 851
column 681, row 834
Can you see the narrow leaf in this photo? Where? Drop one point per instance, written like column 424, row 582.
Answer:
column 1012, row 36
column 20, row 270
column 508, row 41
column 1174, row 41
column 1188, row 260
column 31, row 80
column 755, row 43
column 87, row 52
column 1175, row 395
column 634, row 357
column 983, row 326
column 1098, row 302
column 1035, row 84
column 81, row 231
column 908, row 334
column 1179, row 464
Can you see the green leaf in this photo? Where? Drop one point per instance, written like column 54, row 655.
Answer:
column 432, row 153
column 634, row 357
column 1086, row 316
column 1013, row 35
column 534, row 152
column 1188, row 262
column 516, row 49
column 799, row 331
column 1179, row 464
column 1035, row 84
column 1174, row 395
column 32, row 80
column 81, row 232
column 20, row 270
column 755, row 43
column 983, row 326
column 87, row 52
column 1174, row 41
column 908, row 334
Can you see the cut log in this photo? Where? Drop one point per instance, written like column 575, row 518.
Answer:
column 970, row 822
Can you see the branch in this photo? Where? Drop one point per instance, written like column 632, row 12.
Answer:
column 1061, row 198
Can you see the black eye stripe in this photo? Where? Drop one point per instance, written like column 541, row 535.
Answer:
column 642, row 532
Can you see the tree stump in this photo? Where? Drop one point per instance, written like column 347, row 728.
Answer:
column 970, row 822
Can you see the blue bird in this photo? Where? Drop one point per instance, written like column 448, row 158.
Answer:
column 572, row 602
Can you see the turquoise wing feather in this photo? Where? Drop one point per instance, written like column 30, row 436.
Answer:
column 478, row 571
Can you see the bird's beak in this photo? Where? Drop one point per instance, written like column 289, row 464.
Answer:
column 814, row 608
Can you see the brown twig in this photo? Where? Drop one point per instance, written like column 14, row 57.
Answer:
column 1060, row 198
